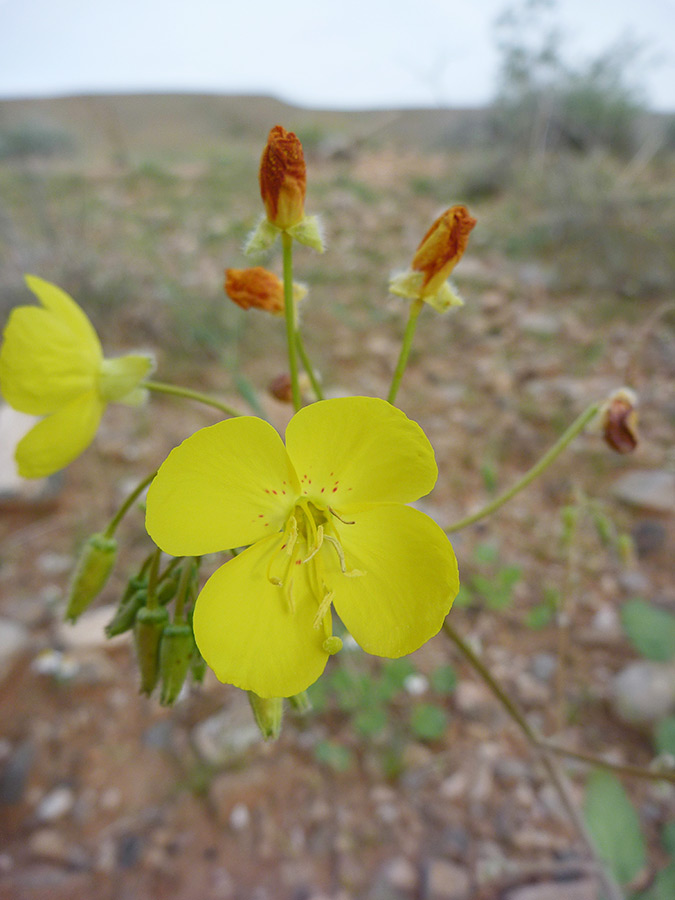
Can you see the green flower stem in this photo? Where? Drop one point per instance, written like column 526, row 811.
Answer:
column 544, row 752
column 128, row 503
column 160, row 388
column 181, row 593
column 153, row 602
column 415, row 309
column 575, row 428
column 316, row 387
column 289, row 311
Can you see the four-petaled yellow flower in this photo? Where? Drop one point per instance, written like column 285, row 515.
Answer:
column 52, row 365
column 439, row 252
column 328, row 526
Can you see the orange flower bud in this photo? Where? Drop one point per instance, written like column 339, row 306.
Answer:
column 255, row 288
column 280, row 388
column 283, row 178
column 442, row 247
column 619, row 421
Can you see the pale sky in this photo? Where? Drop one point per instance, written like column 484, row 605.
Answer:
column 348, row 54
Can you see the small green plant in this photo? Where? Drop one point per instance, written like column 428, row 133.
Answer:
column 493, row 587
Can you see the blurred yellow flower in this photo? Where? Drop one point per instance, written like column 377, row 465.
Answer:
column 327, row 526
column 52, row 365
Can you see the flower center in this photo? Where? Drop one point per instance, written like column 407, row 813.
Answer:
column 308, row 530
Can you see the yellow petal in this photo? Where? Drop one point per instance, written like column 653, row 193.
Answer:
column 410, row 578
column 358, row 450
column 60, row 438
column 43, row 363
column 225, row 486
column 66, row 309
column 247, row 632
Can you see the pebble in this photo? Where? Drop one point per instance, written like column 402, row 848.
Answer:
column 543, row 666
column 89, row 630
column 652, row 489
column 445, row 880
column 644, row 692
column 649, row 536
column 13, row 642
column 400, row 874
column 227, row 735
column 15, row 772
column 240, row 817
column 634, row 582
column 56, row 804
column 50, row 845
column 584, row 889
column 606, row 624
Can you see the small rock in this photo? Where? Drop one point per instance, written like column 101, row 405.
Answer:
column 454, row 787
column 509, row 771
column 644, row 692
column 128, row 850
column 648, row 489
column 445, row 881
column 89, row 630
column 240, row 817
column 530, row 691
column 540, row 324
column 15, row 773
column 584, row 889
column 649, row 536
column 225, row 736
column 634, row 582
column 50, row 563
column 401, row 874
column 416, row 684
column 13, row 642
column 50, row 845
column 543, row 666
column 606, row 623
column 55, row 804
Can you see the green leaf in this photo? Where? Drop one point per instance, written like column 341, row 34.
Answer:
column 486, row 553
column 334, row 755
column 394, row 674
column 539, row 616
column 444, row 680
column 428, row 722
column 651, row 630
column 370, row 722
column 668, row 838
column 614, row 827
column 664, row 736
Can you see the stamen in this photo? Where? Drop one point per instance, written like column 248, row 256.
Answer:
column 317, row 546
column 351, row 573
column 344, row 521
column 324, row 606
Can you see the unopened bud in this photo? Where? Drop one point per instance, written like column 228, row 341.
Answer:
column 148, row 628
column 175, row 654
column 619, row 421
column 283, row 178
column 268, row 712
column 126, row 612
column 91, row 573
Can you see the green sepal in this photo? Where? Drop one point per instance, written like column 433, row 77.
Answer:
column 268, row 712
column 175, row 654
column 198, row 667
column 148, row 628
column 91, row 573
column 126, row 612
column 301, row 703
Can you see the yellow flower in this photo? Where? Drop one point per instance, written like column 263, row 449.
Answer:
column 439, row 252
column 52, row 365
column 283, row 185
column 327, row 526
column 260, row 289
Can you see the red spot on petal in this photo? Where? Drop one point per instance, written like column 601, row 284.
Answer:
column 322, row 490
column 298, row 562
column 335, row 488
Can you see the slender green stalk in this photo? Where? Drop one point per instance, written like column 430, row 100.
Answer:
column 575, row 428
column 289, row 311
column 544, row 753
column 181, row 593
column 152, row 601
column 160, row 388
column 415, row 309
column 600, row 763
column 316, row 387
column 130, row 500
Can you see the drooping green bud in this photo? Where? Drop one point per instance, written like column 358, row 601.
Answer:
column 268, row 712
column 166, row 590
column 148, row 628
column 197, row 667
column 91, row 573
column 301, row 703
column 175, row 654
column 126, row 612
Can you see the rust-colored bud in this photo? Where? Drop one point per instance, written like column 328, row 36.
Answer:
column 280, row 388
column 256, row 287
column 283, row 178
column 442, row 247
column 619, row 421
